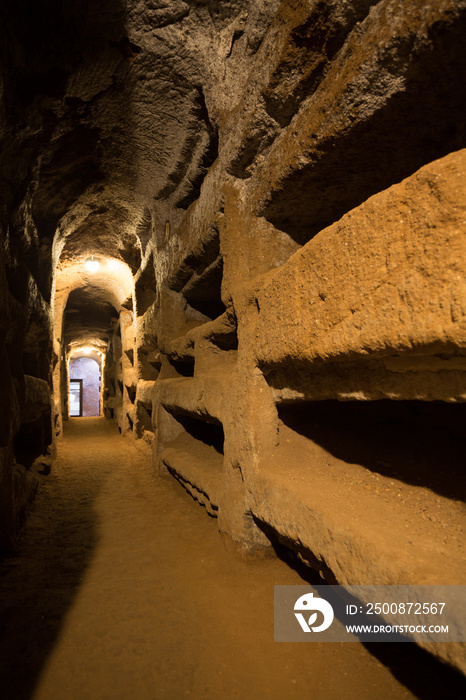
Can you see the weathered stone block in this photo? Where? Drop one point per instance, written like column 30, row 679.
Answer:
column 386, row 279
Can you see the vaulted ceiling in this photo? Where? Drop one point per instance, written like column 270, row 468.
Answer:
column 115, row 108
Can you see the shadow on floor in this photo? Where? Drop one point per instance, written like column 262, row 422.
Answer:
column 419, row 671
column 40, row 578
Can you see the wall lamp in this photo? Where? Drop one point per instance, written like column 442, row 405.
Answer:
column 91, row 264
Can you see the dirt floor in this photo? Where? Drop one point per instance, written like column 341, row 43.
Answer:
column 121, row 588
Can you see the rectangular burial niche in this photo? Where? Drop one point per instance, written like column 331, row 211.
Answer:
column 199, row 280
column 145, row 287
column 131, row 391
column 150, row 362
column 419, row 443
column 226, row 341
column 33, row 439
column 203, row 293
column 223, row 334
column 144, row 418
column 184, row 366
column 195, row 456
column 208, row 432
column 382, row 146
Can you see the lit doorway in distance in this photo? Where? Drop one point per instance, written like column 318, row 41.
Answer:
column 86, row 372
column 76, row 397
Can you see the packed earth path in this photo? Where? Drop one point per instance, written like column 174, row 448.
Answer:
column 121, row 588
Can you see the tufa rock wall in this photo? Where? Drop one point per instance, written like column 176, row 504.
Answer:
column 275, row 191
column 299, row 356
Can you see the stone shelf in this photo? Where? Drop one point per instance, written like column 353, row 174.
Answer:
column 360, row 525
column 203, row 396
column 362, row 309
column 198, row 467
column 221, row 332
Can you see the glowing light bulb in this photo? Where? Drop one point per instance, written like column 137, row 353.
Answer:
column 92, row 265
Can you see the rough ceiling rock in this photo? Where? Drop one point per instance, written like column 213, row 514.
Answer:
column 123, row 103
column 116, row 110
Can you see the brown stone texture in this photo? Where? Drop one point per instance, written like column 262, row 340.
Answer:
column 274, row 193
column 384, row 280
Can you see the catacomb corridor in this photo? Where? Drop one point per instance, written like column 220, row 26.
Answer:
column 232, row 340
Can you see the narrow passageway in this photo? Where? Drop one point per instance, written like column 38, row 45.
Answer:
column 233, row 252
column 122, row 589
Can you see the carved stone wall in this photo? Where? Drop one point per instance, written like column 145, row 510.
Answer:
column 275, row 192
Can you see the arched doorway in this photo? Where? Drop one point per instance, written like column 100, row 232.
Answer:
column 84, row 387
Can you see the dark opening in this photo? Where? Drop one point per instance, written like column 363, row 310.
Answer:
column 184, row 366
column 131, row 392
column 414, row 126
column 416, row 668
column 149, row 363
column 225, row 337
column 145, row 287
column 32, row 439
column 204, row 293
column 210, row 433
column 419, row 443
column 197, row 262
column 144, row 418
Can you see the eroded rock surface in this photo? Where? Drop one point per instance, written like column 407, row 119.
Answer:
column 274, row 194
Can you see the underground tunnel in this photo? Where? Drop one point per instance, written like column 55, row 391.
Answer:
column 232, row 341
